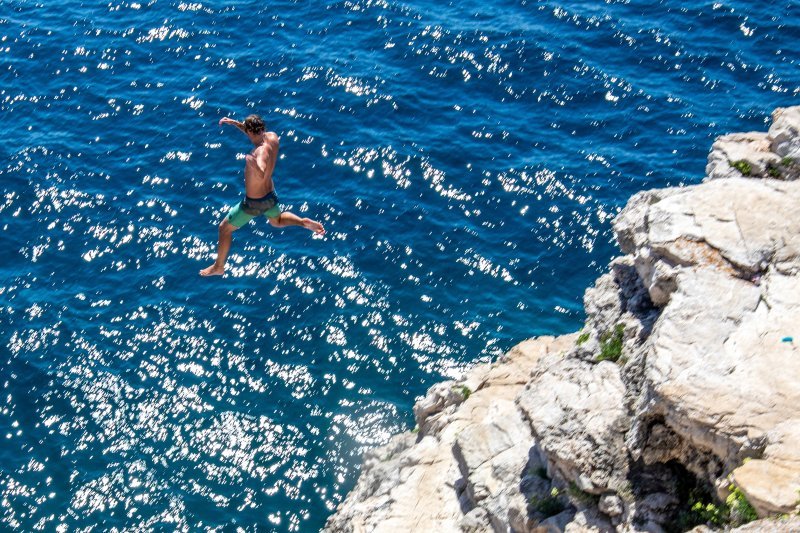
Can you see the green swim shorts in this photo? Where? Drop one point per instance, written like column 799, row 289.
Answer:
column 249, row 208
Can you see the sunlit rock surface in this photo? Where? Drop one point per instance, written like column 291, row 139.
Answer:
column 682, row 386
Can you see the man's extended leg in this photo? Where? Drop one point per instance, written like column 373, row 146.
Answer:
column 290, row 219
column 226, row 230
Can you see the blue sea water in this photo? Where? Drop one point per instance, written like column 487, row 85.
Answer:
column 465, row 157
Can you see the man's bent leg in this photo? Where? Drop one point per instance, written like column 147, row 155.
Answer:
column 290, row 219
column 226, row 230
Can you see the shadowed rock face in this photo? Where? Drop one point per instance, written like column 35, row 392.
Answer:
column 684, row 379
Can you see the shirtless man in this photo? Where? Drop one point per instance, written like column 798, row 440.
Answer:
column 260, row 198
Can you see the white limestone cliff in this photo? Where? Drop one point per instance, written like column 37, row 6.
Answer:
column 682, row 387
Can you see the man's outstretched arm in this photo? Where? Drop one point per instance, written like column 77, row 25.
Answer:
column 232, row 122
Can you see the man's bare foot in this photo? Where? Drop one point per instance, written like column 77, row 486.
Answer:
column 213, row 270
column 314, row 226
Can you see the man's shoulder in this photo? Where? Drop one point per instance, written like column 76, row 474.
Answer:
column 272, row 137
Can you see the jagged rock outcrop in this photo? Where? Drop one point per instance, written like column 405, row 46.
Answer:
column 775, row 154
column 674, row 406
column 453, row 473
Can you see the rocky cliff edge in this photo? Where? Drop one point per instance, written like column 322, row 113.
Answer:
column 675, row 407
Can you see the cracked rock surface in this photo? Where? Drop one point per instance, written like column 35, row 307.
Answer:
column 683, row 384
column 453, row 475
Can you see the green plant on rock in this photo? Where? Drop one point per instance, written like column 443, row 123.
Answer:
column 548, row 505
column 582, row 496
column 741, row 511
column 787, row 161
column 743, row 166
column 716, row 515
column 611, row 344
column 583, row 337
column 464, row 391
column 700, row 510
column 773, row 172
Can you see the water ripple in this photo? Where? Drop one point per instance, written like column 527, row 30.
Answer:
column 466, row 160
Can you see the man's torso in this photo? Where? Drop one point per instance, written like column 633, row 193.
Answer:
column 257, row 180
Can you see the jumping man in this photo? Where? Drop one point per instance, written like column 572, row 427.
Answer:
column 260, row 198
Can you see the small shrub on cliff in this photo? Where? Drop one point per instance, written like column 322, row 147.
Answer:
column 583, row 337
column 773, row 172
column 700, row 510
column 736, row 510
column 549, row 505
column 787, row 161
column 611, row 344
column 715, row 515
column 743, row 166
column 464, row 391
column 741, row 511
column 581, row 495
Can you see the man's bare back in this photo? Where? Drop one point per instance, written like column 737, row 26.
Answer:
column 260, row 198
column 259, row 166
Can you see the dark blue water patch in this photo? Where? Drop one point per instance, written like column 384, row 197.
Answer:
column 467, row 160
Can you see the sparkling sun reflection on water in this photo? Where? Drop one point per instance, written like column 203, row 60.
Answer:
column 466, row 160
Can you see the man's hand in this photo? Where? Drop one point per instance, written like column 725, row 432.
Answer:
column 232, row 122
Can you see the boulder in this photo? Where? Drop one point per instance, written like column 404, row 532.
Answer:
column 784, row 134
column 577, row 412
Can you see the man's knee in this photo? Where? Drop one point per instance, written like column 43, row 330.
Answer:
column 226, row 227
column 275, row 221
